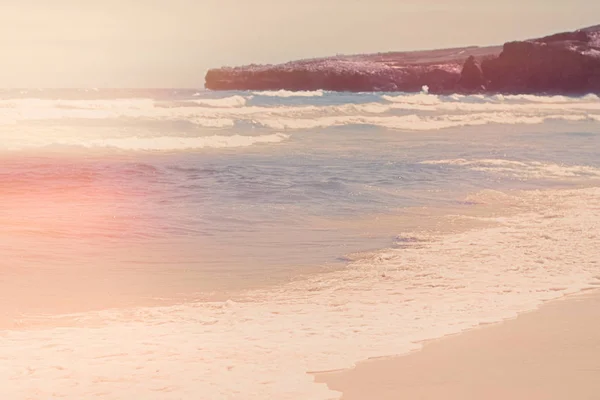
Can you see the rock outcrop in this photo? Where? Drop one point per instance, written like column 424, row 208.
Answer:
column 567, row 63
column 334, row 75
column 471, row 77
column 407, row 72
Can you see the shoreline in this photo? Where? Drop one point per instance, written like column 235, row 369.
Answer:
column 21, row 314
column 364, row 312
column 509, row 359
column 471, row 211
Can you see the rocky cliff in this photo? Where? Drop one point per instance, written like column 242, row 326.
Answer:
column 567, row 63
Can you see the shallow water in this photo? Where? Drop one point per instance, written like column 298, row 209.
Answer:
column 258, row 236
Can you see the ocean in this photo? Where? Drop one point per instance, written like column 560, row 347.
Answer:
column 188, row 244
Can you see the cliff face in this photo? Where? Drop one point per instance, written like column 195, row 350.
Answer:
column 410, row 71
column 563, row 63
column 566, row 63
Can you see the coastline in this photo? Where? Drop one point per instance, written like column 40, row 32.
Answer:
column 325, row 327
column 565, row 63
column 552, row 352
column 20, row 311
column 440, row 277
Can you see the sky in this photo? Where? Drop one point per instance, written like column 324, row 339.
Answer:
column 171, row 43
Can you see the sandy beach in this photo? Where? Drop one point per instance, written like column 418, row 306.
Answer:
column 182, row 244
column 551, row 353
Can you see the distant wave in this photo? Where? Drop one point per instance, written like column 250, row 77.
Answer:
column 419, row 98
column 163, row 143
column 287, row 93
column 227, row 102
column 403, row 112
column 522, row 169
column 416, row 122
column 211, row 122
column 545, row 99
column 206, row 113
column 456, row 102
column 430, row 99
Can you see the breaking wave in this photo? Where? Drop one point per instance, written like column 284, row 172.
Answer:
column 404, row 112
column 163, row 143
column 429, row 99
column 416, row 122
column 228, row 102
column 522, row 169
column 186, row 143
column 287, row 93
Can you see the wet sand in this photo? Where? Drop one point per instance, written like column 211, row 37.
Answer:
column 549, row 354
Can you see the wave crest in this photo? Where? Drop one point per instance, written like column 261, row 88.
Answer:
column 414, row 112
column 522, row 169
column 227, row 102
column 165, row 143
column 287, row 93
column 416, row 122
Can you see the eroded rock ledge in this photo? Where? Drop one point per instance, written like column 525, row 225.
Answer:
column 564, row 63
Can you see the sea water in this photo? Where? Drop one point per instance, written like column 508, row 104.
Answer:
column 183, row 244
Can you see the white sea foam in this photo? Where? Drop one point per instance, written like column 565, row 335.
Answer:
column 522, row 169
column 12, row 112
column 227, row 102
column 425, row 98
column 406, row 112
column 416, row 122
column 261, row 347
column 211, row 122
column 185, row 143
column 157, row 143
column 287, row 93
column 419, row 98
column 99, row 104
column 498, row 107
column 479, row 103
